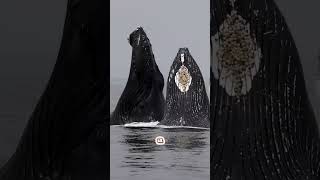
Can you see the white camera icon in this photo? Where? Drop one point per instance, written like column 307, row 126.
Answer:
column 160, row 140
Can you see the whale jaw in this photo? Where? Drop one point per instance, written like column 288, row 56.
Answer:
column 142, row 99
column 187, row 103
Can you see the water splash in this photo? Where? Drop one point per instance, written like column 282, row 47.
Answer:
column 156, row 125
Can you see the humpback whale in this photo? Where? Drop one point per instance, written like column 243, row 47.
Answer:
column 262, row 123
column 66, row 135
column 142, row 99
column 187, row 103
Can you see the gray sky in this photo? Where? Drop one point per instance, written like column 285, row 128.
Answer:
column 169, row 24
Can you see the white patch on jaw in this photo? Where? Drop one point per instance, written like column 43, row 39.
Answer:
column 183, row 79
column 235, row 56
column 182, row 58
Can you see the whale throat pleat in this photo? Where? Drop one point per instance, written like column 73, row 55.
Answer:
column 187, row 103
column 268, row 130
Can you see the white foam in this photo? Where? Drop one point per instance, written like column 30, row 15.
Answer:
column 185, row 127
column 142, row 124
column 155, row 125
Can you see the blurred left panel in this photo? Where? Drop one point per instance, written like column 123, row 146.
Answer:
column 54, row 90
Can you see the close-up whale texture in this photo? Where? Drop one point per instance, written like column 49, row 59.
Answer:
column 66, row 135
column 262, row 123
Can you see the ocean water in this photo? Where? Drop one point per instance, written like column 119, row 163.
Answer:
column 134, row 155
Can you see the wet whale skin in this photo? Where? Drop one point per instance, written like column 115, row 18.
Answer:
column 142, row 99
column 269, row 131
column 188, row 107
column 66, row 135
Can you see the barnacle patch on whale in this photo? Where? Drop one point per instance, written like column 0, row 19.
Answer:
column 183, row 79
column 235, row 55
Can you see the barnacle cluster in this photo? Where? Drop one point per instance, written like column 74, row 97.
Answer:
column 183, row 79
column 237, row 54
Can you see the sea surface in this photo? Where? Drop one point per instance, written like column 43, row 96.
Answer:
column 134, row 155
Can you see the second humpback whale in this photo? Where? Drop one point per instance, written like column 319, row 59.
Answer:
column 142, row 99
column 187, row 103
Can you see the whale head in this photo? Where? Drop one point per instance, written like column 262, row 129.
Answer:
column 142, row 99
column 138, row 38
column 187, row 103
column 143, row 65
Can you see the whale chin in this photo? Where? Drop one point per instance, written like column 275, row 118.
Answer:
column 187, row 103
column 142, row 99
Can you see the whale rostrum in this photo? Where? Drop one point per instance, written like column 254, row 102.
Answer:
column 187, row 103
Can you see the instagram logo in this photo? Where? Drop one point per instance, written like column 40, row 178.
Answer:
column 160, row 140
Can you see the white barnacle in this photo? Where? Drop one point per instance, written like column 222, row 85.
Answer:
column 182, row 58
column 183, row 79
column 235, row 55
